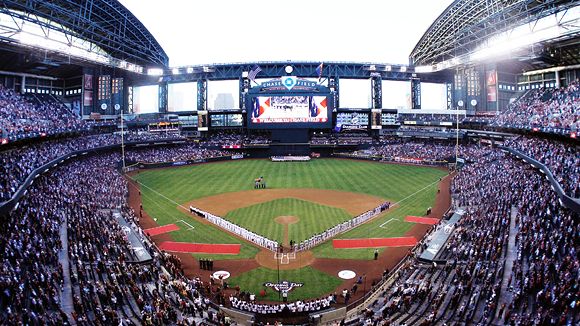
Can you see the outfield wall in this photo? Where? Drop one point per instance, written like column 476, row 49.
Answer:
column 142, row 165
column 421, row 162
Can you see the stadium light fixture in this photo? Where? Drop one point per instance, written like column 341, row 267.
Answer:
column 522, row 36
column 190, row 70
column 423, row 69
column 175, row 71
column 35, row 36
column 154, row 72
column 403, row 68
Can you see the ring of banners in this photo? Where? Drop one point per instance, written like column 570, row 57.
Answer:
column 302, row 246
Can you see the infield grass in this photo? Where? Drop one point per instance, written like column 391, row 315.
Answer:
column 164, row 189
column 314, row 218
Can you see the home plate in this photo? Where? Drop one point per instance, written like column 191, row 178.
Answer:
column 221, row 275
column 346, row 274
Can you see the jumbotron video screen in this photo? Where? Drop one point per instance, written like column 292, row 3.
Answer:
column 303, row 109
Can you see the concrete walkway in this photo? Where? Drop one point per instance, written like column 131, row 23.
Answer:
column 510, row 256
column 66, row 296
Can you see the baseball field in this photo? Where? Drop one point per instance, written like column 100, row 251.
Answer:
column 301, row 199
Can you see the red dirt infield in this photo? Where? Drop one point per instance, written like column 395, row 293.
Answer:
column 421, row 220
column 204, row 248
column 373, row 242
column 161, row 229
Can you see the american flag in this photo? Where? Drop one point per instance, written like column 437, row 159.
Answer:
column 252, row 74
column 319, row 71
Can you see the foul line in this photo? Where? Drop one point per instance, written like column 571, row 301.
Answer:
column 191, row 227
column 411, row 195
column 381, row 226
column 418, row 191
column 160, row 194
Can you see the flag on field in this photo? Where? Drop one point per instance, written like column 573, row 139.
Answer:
column 319, row 70
column 252, row 74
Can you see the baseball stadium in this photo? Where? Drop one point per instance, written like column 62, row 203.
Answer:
column 420, row 167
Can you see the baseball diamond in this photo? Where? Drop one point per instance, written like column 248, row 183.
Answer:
column 352, row 187
column 332, row 163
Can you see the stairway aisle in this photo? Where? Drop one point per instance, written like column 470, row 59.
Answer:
column 505, row 295
column 66, row 296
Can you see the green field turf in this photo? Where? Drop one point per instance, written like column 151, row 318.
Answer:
column 316, row 283
column 314, row 218
column 164, row 189
column 393, row 225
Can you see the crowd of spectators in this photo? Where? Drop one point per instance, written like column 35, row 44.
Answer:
column 551, row 108
column 31, row 277
column 17, row 163
column 343, row 138
column 429, row 118
column 21, row 116
column 504, row 199
column 232, row 138
column 108, row 286
column 402, row 150
column 563, row 160
column 175, row 153
column 484, row 118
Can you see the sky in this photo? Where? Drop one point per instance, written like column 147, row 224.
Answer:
column 227, row 31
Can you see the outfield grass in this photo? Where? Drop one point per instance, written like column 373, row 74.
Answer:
column 316, row 283
column 164, row 189
column 314, row 218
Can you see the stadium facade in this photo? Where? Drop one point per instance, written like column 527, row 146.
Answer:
column 491, row 84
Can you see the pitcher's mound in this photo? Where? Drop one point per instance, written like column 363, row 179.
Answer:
column 285, row 220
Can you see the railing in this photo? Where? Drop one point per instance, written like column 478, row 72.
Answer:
column 571, row 203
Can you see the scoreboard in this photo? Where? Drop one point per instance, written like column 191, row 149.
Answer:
column 289, row 109
column 289, row 102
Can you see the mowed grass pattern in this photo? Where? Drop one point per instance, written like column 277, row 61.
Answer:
column 316, row 283
column 314, row 218
column 388, row 181
column 162, row 190
column 389, row 224
column 166, row 212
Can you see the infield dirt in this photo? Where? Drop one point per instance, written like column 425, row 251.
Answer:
column 353, row 203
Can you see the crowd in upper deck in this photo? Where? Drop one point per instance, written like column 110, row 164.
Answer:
column 553, row 108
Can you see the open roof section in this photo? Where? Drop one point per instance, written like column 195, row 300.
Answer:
column 465, row 24
column 105, row 23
